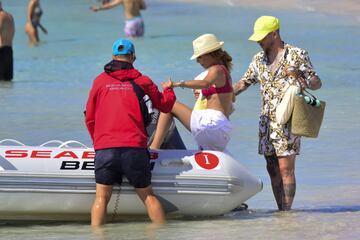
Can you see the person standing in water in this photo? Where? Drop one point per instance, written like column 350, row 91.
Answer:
column 116, row 126
column 269, row 68
column 134, row 23
column 7, row 32
column 34, row 14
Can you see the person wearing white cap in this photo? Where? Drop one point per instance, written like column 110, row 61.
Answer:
column 270, row 68
column 211, row 126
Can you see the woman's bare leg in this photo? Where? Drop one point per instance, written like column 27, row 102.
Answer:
column 32, row 34
column 181, row 112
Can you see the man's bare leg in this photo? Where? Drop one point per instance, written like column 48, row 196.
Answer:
column 272, row 166
column 152, row 204
column 287, row 172
column 102, row 198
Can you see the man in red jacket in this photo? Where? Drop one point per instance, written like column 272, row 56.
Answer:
column 116, row 126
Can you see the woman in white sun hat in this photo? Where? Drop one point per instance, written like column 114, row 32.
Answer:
column 211, row 126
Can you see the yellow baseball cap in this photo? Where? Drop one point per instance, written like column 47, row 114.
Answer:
column 263, row 26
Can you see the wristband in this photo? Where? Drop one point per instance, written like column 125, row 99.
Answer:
column 182, row 83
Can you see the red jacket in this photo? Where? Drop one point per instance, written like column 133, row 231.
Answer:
column 113, row 115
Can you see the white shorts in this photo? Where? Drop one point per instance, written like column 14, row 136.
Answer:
column 134, row 27
column 211, row 129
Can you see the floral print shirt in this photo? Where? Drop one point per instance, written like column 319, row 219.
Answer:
column 273, row 137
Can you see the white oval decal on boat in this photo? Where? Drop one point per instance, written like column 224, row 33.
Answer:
column 207, row 160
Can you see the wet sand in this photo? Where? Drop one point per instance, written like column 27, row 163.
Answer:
column 338, row 7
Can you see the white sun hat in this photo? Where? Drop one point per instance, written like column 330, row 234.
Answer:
column 204, row 44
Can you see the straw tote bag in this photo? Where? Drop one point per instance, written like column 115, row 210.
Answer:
column 307, row 115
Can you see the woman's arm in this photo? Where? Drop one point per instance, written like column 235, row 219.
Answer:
column 214, row 75
column 30, row 9
column 42, row 28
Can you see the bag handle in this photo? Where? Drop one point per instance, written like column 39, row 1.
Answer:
column 312, row 100
column 308, row 97
column 313, row 96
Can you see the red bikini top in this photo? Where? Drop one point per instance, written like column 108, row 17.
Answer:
column 227, row 88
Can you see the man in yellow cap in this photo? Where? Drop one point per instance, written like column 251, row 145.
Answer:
column 270, row 68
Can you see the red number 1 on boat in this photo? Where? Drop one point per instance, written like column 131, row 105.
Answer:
column 207, row 160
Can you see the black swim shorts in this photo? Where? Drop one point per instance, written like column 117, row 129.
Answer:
column 112, row 164
column 6, row 63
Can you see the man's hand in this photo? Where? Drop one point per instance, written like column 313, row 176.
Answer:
column 168, row 84
column 313, row 83
column 239, row 87
column 95, row 8
column 303, row 83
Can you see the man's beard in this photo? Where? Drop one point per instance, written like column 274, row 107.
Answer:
column 267, row 49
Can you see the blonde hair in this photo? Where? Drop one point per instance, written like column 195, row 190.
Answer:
column 225, row 58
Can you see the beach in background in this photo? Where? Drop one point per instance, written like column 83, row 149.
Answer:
column 51, row 83
column 343, row 7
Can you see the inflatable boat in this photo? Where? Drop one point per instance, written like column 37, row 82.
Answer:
column 55, row 181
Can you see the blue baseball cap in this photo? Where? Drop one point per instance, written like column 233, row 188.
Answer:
column 123, row 47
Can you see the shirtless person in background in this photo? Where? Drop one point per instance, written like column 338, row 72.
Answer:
column 34, row 13
column 7, row 31
column 134, row 23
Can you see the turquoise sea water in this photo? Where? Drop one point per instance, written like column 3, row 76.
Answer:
column 48, row 94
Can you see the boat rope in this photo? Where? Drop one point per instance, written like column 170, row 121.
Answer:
column 51, row 142
column 65, row 144
column 12, row 141
column 116, row 206
column 60, row 144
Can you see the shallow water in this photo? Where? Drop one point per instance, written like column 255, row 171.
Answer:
column 48, row 94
